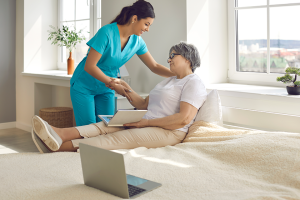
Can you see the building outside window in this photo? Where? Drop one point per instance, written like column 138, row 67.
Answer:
column 264, row 39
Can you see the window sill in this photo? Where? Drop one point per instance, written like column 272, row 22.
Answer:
column 62, row 75
column 221, row 87
column 258, row 107
column 263, row 91
column 52, row 74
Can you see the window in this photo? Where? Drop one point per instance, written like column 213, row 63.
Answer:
column 82, row 14
column 264, row 39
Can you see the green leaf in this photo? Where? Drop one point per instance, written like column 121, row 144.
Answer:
column 285, row 79
column 292, row 70
column 65, row 36
column 297, row 83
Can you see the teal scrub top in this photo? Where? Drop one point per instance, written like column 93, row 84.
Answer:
column 106, row 42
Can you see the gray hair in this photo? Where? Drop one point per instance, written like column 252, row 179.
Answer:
column 189, row 52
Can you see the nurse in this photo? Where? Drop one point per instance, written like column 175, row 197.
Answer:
column 112, row 46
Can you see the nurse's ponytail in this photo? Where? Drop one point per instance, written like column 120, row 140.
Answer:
column 141, row 8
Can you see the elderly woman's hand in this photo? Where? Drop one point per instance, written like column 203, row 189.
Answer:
column 140, row 124
column 120, row 89
column 119, row 86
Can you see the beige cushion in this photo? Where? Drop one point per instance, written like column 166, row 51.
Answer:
column 211, row 110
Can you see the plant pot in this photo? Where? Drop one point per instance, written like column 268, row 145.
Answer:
column 293, row 90
column 70, row 64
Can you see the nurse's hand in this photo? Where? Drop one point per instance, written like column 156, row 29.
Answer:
column 110, row 86
column 112, row 82
column 117, row 81
column 120, row 89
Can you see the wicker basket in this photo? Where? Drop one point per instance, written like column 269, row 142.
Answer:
column 60, row 117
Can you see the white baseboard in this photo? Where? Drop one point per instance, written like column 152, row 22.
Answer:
column 25, row 127
column 7, row 125
column 260, row 120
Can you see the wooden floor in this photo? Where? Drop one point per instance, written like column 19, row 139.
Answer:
column 15, row 140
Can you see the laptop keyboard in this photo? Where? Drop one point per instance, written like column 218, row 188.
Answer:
column 133, row 190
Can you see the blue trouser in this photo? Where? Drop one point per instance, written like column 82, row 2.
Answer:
column 87, row 107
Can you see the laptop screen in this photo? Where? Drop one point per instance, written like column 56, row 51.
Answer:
column 133, row 180
column 107, row 119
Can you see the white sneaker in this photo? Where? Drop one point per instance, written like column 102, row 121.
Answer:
column 44, row 131
column 38, row 143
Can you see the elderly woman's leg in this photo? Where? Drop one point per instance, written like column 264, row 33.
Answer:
column 59, row 139
column 89, row 131
column 67, row 134
column 115, row 138
column 67, row 146
column 150, row 137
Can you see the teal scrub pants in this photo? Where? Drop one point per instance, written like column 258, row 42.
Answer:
column 87, row 107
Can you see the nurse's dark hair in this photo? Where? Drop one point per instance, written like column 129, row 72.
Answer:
column 141, row 8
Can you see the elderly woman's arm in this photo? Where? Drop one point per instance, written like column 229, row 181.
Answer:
column 185, row 116
column 137, row 101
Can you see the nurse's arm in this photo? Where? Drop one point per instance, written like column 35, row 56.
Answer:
column 91, row 66
column 156, row 68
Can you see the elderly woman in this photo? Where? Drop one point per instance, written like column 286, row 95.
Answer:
column 172, row 107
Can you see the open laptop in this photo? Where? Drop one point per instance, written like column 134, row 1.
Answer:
column 105, row 170
column 122, row 117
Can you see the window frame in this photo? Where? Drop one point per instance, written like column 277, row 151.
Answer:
column 249, row 77
column 93, row 28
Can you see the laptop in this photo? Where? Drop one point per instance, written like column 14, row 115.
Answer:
column 105, row 170
column 122, row 117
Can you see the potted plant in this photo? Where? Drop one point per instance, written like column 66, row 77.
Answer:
column 287, row 78
column 69, row 39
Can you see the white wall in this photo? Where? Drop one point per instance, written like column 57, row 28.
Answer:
column 202, row 22
column 36, row 53
column 168, row 28
column 207, row 29
column 39, row 54
column 259, row 107
column 7, row 62
column 33, row 52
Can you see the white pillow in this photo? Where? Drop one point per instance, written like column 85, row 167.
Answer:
column 211, row 110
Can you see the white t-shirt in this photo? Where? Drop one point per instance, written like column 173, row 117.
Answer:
column 165, row 98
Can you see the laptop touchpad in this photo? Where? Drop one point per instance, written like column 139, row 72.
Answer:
column 133, row 180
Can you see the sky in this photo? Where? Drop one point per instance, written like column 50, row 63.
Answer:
column 283, row 21
column 264, row 2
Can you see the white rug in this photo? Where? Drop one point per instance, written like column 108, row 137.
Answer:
column 255, row 166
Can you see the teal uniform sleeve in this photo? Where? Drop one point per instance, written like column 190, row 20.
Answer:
column 100, row 40
column 143, row 47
